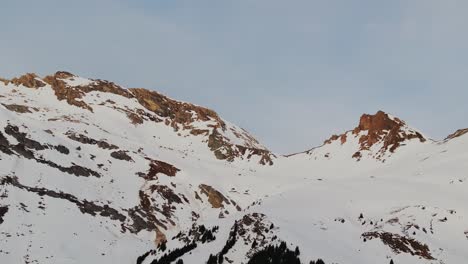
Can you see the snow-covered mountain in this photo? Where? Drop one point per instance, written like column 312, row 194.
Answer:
column 92, row 172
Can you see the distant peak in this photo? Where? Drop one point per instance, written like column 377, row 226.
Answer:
column 386, row 129
column 377, row 122
column 380, row 129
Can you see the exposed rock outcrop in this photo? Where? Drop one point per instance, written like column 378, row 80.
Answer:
column 18, row 108
column 401, row 244
column 3, row 211
column 29, row 80
column 121, row 155
column 26, row 148
column 90, row 141
column 383, row 128
column 157, row 166
column 215, row 198
column 181, row 114
column 178, row 115
column 380, row 129
column 73, row 94
column 458, row 133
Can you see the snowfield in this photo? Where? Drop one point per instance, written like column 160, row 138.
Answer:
column 91, row 173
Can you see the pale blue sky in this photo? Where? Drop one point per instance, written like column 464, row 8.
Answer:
column 291, row 72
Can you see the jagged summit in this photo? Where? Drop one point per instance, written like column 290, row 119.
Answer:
column 377, row 136
column 382, row 127
column 378, row 121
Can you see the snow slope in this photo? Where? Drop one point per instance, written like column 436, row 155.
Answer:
column 91, row 172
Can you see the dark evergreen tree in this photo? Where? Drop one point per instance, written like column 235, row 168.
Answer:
column 254, row 244
column 212, row 260
column 276, row 255
column 318, row 261
column 142, row 258
column 297, row 252
column 232, row 239
column 162, row 246
column 171, row 256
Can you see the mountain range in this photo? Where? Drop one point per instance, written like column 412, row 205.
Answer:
column 93, row 172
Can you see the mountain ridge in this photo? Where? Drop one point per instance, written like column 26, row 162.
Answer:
column 92, row 172
column 32, row 80
column 179, row 112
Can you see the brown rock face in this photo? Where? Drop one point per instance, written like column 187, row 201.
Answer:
column 331, row 139
column 29, row 80
column 73, row 94
column 376, row 129
column 377, row 122
column 181, row 117
column 458, row 133
column 17, row 108
column 178, row 115
column 401, row 244
column 381, row 128
column 157, row 166
column 215, row 198
column 160, row 237
column 179, row 112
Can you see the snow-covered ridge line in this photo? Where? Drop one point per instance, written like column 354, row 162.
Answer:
column 91, row 172
column 226, row 140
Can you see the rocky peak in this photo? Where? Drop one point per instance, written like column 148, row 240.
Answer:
column 377, row 122
column 29, row 80
column 380, row 129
